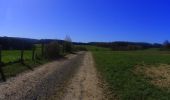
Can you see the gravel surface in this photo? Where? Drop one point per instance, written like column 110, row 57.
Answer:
column 42, row 83
column 85, row 84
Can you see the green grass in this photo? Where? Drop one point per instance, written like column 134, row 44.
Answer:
column 16, row 68
column 9, row 56
column 14, row 55
column 117, row 68
column 12, row 69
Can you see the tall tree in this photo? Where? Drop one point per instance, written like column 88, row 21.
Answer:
column 166, row 44
column 68, row 46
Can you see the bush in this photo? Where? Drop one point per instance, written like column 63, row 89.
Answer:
column 52, row 50
column 166, row 45
column 68, row 46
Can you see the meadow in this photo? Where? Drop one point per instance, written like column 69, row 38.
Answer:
column 14, row 55
column 118, row 69
column 12, row 65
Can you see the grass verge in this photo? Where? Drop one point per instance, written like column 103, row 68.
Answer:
column 16, row 68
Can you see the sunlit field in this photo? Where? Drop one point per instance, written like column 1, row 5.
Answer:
column 11, row 60
column 14, row 55
column 126, row 75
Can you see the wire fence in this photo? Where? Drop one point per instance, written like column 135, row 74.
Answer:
column 19, row 56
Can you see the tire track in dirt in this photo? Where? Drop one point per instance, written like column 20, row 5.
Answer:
column 85, row 84
column 43, row 82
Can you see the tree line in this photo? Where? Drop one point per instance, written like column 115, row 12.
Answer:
column 15, row 43
column 124, row 46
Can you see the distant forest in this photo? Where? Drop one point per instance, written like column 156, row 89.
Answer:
column 122, row 45
column 14, row 43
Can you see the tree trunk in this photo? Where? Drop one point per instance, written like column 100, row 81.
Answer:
column 22, row 56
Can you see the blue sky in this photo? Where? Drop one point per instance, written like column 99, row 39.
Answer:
column 87, row 20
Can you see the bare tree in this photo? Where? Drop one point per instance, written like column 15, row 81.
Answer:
column 68, row 46
column 166, row 44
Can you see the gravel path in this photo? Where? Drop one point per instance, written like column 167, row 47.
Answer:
column 85, row 84
column 43, row 82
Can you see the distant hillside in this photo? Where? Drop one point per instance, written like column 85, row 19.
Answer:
column 9, row 43
column 27, row 43
column 122, row 45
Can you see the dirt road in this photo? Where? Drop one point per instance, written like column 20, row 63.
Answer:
column 73, row 78
column 85, row 84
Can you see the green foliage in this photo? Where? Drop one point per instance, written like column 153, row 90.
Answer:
column 52, row 50
column 117, row 68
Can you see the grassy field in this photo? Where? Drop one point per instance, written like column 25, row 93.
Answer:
column 14, row 55
column 12, row 70
column 118, row 69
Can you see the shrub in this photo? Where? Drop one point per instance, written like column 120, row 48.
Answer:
column 166, row 45
column 68, row 46
column 52, row 50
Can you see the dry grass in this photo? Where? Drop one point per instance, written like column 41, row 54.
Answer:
column 160, row 76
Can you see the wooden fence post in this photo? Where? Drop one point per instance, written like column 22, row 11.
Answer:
column 63, row 47
column 42, row 49
column 33, row 53
column 22, row 54
column 1, row 70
